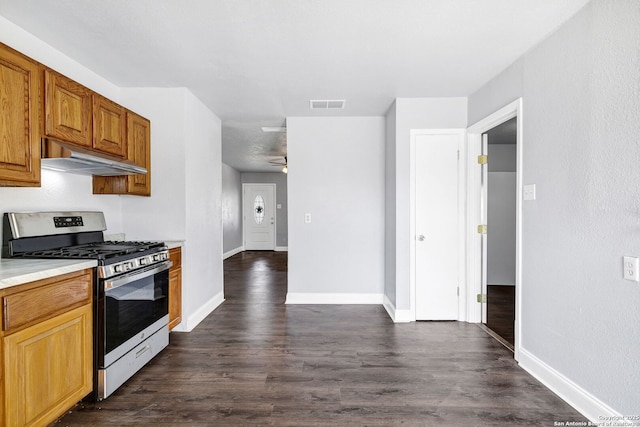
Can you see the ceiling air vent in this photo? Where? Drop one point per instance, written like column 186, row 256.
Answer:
column 327, row 104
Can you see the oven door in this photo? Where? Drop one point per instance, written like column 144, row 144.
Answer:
column 131, row 307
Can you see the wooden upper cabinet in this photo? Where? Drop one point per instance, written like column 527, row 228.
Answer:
column 139, row 148
column 67, row 109
column 109, row 126
column 138, row 152
column 37, row 102
column 77, row 115
column 19, row 119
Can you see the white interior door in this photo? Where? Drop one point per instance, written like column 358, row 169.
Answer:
column 259, row 216
column 436, row 226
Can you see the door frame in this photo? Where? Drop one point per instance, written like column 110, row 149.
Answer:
column 473, row 214
column 275, row 217
column 461, row 133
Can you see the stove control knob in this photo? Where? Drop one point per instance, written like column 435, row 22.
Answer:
column 131, row 265
column 117, row 269
column 144, row 261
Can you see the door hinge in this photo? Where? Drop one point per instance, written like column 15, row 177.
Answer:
column 483, row 159
column 458, row 290
column 482, row 229
column 481, row 298
column 458, row 154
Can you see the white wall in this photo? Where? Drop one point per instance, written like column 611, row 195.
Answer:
column 163, row 215
column 501, row 220
column 336, row 173
column 62, row 192
column 203, row 252
column 410, row 113
column 580, row 320
column 231, row 209
column 390, row 260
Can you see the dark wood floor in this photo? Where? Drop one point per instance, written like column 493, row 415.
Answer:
column 255, row 361
column 501, row 311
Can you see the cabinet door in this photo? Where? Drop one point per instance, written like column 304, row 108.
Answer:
column 139, row 152
column 175, row 297
column 175, row 287
column 67, row 108
column 48, row 368
column 109, row 127
column 139, row 148
column 19, row 123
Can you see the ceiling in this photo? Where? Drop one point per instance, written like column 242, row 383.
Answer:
column 255, row 62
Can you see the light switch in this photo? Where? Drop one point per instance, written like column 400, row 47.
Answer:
column 279, row 206
column 307, row 218
column 529, row 192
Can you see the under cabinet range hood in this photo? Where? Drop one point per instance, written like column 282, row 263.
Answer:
column 63, row 157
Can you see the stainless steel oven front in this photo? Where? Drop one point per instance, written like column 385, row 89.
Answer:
column 132, row 316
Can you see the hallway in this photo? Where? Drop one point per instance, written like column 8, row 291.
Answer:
column 255, row 361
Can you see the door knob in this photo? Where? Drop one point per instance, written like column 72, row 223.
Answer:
column 421, row 238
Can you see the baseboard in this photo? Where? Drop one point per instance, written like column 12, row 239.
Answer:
column 282, row 248
column 398, row 316
column 232, row 252
column 304, row 298
column 583, row 401
column 200, row 314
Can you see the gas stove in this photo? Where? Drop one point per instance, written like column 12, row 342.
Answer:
column 76, row 235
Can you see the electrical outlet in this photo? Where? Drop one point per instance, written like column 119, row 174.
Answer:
column 307, row 218
column 631, row 268
column 529, row 192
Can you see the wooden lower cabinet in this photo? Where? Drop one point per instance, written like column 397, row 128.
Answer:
column 48, row 361
column 175, row 288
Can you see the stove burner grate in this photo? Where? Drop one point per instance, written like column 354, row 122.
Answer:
column 96, row 250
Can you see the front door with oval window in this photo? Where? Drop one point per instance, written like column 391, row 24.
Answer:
column 259, row 216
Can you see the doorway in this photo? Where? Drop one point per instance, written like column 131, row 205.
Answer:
column 499, row 252
column 259, row 216
column 478, row 223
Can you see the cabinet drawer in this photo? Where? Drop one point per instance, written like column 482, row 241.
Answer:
column 38, row 303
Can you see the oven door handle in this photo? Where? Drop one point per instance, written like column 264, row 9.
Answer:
column 137, row 275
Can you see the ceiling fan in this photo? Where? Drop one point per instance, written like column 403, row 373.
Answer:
column 283, row 164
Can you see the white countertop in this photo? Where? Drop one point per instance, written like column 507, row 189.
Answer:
column 19, row 271
column 174, row 243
